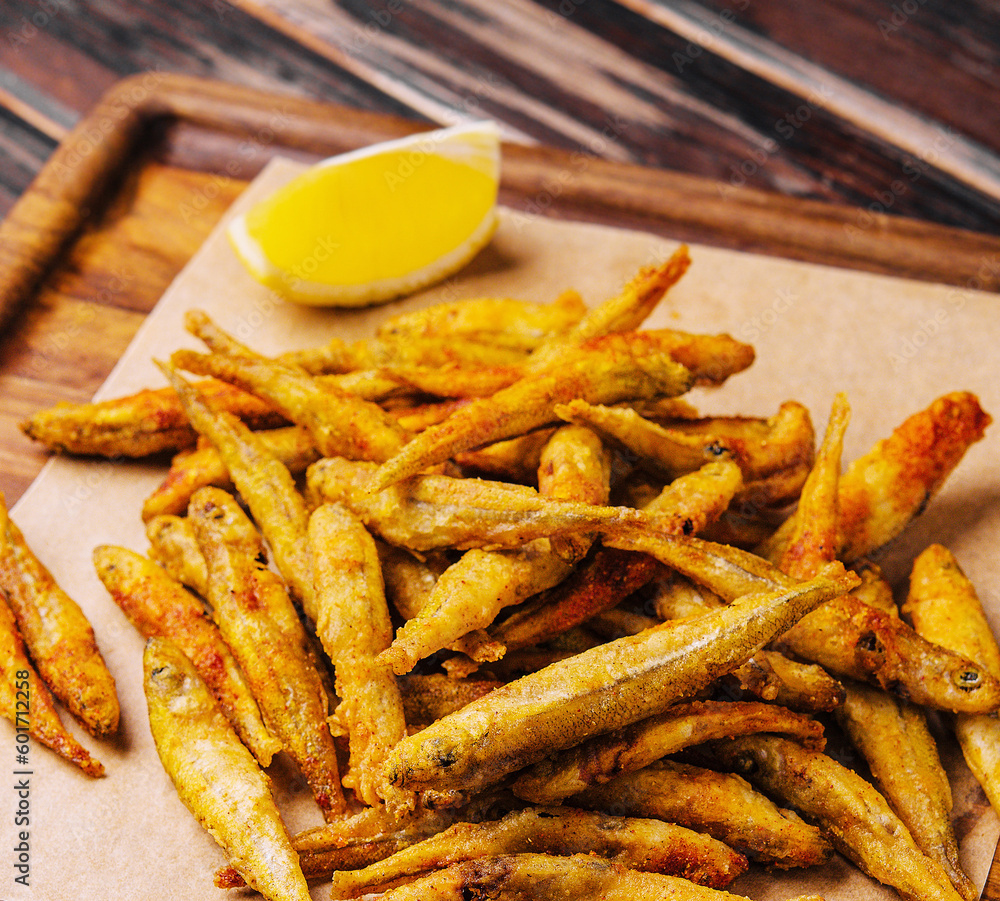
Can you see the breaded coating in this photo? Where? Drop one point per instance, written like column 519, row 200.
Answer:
column 57, row 634
column 815, row 528
column 600, row 759
column 435, row 511
column 624, row 312
column 341, row 423
column 578, row 877
column 357, row 840
column 851, row 813
column 160, row 607
column 513, row 460
column 723, row 805
column 774, row 454
column 881, row 491
column 944, row 607
column 216, row 776
column 685, row 506
column 410, row 580
column 26, row 701
column 258, row 621
column 429, row 696
column 605, row 373
column 468, row 596
column 855, row 641
column 769, row 674
column 195, row 469
column 517, row 324
column 264, row 484
column 353, row 624
column 650, row 845
column 897, row 742
column 174, row 546
column 598, row 690
column 151, row 421
column 847, row 636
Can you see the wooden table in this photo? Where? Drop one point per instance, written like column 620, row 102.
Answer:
column 887, row 110
column 853, row 132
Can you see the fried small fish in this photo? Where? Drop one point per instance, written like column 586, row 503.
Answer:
column 26, row 701
column 598, row 690
column 57, row 634
column 216, row 777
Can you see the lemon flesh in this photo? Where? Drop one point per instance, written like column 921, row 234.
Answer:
column 374, row 224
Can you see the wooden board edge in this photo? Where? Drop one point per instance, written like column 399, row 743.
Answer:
column 551, row 180
column 56, row 205
column 759, row 221
column 58, row 201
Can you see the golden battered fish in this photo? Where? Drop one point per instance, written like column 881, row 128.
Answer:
column 160, row 607
column 604, row 688
column 216, row 776
column 352, row 621
column 850, row 811
column 27, row 703
column 149, row 422
column 259, row 623
column 57, row 634
column 649, row 845
column 944, row 607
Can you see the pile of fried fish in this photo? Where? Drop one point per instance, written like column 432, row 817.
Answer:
column 529, row 624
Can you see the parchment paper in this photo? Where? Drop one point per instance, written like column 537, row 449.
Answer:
column 893, row 345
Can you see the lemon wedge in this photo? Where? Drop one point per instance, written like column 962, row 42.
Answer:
column 376, row 223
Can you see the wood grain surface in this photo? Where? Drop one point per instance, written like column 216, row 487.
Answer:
column 855, row 132
column 618, row 79
column 134, row 188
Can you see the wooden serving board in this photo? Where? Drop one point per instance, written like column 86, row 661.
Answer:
column 131, row 194
column 136, row 186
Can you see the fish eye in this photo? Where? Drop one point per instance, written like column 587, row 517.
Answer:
column 967, row 680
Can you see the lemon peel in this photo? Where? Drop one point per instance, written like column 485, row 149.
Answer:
column 376, row 223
